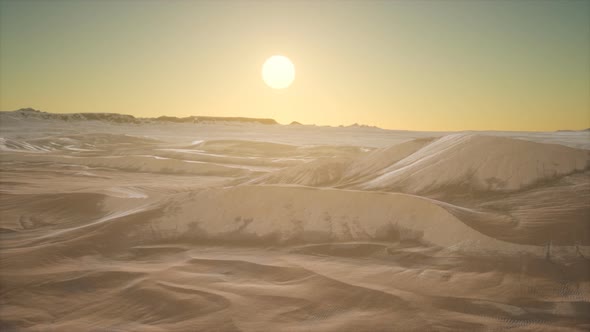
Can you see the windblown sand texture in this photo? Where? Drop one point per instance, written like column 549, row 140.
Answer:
column 233, row 225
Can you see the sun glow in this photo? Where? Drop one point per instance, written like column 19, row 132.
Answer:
column 278, row 72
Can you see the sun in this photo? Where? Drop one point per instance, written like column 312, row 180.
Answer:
column 278, row 72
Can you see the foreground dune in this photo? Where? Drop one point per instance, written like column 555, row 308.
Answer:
column 296, row 214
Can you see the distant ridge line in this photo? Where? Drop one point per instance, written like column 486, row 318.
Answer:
column 126, row 118
column 198, row 119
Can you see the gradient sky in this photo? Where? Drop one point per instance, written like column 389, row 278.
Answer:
column 418, row 65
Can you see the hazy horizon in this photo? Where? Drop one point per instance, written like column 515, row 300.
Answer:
column 412, row 65
column 291, row 122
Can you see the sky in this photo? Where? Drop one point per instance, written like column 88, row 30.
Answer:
column 413, row 65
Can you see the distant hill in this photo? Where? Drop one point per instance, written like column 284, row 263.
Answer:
column 569, row 131
column 210, row 119
column 356, row 125
column 30, row 113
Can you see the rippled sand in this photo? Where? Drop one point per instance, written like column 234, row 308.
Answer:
column 181, row 227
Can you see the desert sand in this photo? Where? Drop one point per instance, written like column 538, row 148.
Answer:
column 117, row 224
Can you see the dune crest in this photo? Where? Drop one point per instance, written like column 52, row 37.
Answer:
column 482, row 163
column 471, row 161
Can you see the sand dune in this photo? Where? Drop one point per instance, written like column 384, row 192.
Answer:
column 297, row 214
column 90, row 142
column 473, row 162
column 333, row 171
column 200, row 227
column 241, row 147
column 141, row 163
column 482, row 163
column 323, row 172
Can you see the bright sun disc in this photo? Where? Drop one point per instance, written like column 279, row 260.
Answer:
column 278, row 72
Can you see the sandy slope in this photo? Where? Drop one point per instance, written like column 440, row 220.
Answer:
column 257, row 214
column 333, row 171
column 481, row 162
column 474, row 162
column 193, row 227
